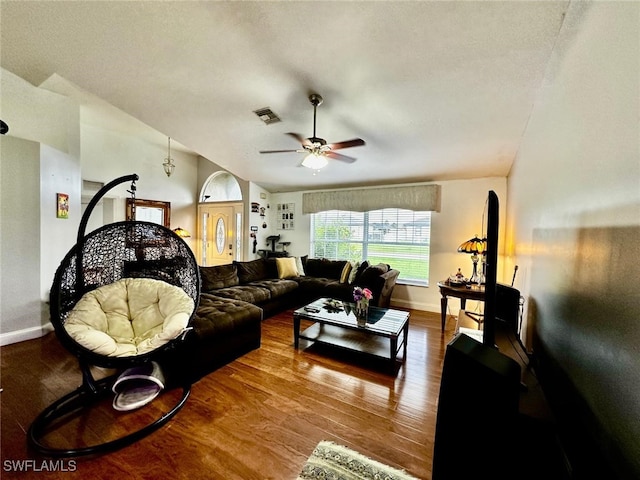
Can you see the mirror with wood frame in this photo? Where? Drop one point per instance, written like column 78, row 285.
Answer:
column 149, row 211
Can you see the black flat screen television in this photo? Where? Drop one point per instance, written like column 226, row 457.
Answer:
column 491, row 270
column 479, row 392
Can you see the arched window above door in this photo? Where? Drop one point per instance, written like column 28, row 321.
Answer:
column 221, row 187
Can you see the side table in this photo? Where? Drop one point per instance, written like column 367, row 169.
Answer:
column 463, row 293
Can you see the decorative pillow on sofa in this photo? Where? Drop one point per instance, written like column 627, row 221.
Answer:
column 300, row 266
column 220, row 276
column 286, row 267
column 252, row 271
column 346, row 270
column 354, row 277
column 372, row 273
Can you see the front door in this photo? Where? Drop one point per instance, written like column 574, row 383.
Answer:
column 218, row 224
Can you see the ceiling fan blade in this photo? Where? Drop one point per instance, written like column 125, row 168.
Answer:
column 339, row 156
column 279, row 151
column 356, row 142
column 303, row 141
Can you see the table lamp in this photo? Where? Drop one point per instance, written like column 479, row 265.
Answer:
column 475, row 247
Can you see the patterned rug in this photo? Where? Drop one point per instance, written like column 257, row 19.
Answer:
column 330, row 461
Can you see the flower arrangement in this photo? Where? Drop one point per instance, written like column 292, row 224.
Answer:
column 360, row 293
column 362, row 296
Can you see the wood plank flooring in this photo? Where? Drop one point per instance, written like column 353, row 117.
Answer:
column 258, row 417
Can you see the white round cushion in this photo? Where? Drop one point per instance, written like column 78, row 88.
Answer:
column 129, row 317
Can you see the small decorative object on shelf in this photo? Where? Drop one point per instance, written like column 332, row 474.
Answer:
column 361, row 297
column 457, row 280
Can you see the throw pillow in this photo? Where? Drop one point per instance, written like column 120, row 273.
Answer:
column 346, row 270
column 299, row 266
column 252, row 270
column 370, row 275
column 361, row 268
column 286, row 267
column 220, row 276
column 353, row 272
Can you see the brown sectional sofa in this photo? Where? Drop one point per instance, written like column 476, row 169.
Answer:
column 235, row 298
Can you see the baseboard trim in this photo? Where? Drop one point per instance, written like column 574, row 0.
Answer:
column 25, row 334
column 426, row 307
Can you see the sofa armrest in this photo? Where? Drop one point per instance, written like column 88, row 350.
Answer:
column 387, row 289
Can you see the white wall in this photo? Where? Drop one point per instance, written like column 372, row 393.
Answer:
column 20, row 235
column 460, row 218
column 59, row 173
column 256, row 193
column 574, row 210
column 39, row 159
column 107, row 155
column 68, row 151
column 578, row 165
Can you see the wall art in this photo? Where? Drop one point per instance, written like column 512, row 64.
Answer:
column 62, row 209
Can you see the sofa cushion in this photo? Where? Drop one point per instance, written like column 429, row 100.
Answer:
column 220, row 276
column 246, row 293
column 287, row 267
column 315, row 285
column 252, row 270
column 218, row 316
column 339, row 291
column 324, row 268
column 277, row 288
column 129, row 317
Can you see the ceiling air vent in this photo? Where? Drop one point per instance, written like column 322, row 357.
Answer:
column 267, row 115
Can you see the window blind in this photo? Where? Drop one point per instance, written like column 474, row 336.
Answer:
column 412, row 197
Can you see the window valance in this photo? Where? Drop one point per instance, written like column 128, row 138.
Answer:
column 413, row 197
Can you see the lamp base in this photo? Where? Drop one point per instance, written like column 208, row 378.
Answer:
column 476, row 278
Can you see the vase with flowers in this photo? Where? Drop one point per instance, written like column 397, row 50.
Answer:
column 361, row 297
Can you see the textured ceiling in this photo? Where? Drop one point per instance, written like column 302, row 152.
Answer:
column 438, row 90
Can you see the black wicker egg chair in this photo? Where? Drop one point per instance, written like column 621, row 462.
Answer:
column 126, row 251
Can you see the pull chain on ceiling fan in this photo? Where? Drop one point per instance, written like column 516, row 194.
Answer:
column 318, row 149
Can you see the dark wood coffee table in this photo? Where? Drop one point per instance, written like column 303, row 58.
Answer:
column 340, row 328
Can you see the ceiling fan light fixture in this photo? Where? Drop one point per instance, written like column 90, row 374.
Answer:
column 314, row 161
column 319, row 150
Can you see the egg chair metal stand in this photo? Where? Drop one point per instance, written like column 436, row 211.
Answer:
column 127, row 249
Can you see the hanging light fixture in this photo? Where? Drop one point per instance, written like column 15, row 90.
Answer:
column 315, row 161
column 168, row 162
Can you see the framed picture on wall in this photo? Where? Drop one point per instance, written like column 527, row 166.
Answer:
column 62, row 205
column 285, row 216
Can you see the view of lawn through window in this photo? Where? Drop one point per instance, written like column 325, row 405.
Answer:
column 393, row 236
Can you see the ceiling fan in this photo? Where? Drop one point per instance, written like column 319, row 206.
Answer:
column 318, row 149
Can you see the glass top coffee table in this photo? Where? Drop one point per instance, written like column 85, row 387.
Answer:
column 383, row 334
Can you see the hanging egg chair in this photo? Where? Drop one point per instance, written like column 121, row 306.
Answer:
column 123, row 298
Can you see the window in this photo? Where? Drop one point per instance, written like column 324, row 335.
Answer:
column 394, row 236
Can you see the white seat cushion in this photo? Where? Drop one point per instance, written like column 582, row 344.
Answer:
column 129, row 317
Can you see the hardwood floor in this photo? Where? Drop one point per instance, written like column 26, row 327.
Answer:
column 258, row 417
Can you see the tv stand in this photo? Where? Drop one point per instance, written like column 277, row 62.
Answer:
column 539, row 450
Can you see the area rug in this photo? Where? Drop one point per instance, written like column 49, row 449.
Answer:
column 330, row 461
